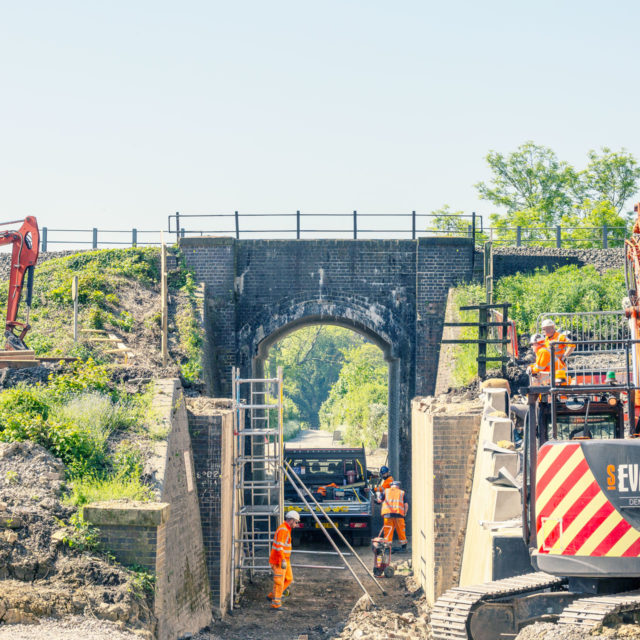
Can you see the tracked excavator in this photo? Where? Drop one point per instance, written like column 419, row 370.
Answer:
column 580, row 502
column 26, row 243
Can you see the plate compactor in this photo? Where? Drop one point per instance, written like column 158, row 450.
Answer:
column 382, row 556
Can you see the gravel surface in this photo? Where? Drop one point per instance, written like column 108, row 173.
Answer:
column 68, row 629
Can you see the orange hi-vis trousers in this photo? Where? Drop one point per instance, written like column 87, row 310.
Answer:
column 397, row 524
column 282, row 578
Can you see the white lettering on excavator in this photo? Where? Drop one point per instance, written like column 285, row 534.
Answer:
column 630, row 473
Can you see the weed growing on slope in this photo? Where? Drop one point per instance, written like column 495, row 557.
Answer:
column 73, row 416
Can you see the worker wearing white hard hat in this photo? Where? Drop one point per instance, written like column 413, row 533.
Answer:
column 562, row 350
column 280, row 559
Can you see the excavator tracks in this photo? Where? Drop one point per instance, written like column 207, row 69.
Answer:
column 452, row 611
column 591, row 612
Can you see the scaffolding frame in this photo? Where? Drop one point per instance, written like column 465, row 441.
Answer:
column 258, row 478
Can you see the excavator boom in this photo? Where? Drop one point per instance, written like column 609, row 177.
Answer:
column 26, row 243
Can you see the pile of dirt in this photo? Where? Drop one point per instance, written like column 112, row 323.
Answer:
column 41, row 576
column 548, row 631
column 380, row 623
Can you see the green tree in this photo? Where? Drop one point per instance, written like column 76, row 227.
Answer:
column 358, row 399
column 452, row 223
column 612, row 177
column 533, row 179
column 538, row 191
column 311, row 358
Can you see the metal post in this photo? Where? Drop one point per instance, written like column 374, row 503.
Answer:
column 177, row 226
column 355, row 225
column 328, row 519
column 413, row 225
column 505, row 335
column 164, row 299
column 558, row 237
column 44, row 239
column 518, row 236
column 605, row 239
column 298, row 225
column 237, row 226
column 482, row 341
column 95, row 238
column 473, row 228
column 74, row 297
column 134, row 237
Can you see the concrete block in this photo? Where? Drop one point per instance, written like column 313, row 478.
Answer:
column 500, row 429
column 507, row 504
column 496, row 400
column 136, row 514
column 507, row 460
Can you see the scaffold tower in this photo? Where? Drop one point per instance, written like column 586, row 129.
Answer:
column 258, row 478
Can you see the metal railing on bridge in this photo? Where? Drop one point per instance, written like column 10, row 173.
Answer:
column 355, row 225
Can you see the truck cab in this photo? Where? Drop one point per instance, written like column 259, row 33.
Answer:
column 339, row 481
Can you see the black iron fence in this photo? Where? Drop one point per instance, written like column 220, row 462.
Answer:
column 353, row 225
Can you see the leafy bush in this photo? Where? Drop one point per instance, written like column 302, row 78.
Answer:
column 567, row 289
column 72, row 416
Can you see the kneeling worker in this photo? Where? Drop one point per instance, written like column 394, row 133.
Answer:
column 280, row 558
column 394, row 509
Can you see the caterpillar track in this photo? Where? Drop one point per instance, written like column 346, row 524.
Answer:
column 451, row 613
column 459, row 613
column 589, row 613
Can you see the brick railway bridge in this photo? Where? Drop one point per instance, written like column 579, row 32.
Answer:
column 393, row 292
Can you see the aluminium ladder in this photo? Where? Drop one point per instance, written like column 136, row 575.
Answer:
column 258, row 478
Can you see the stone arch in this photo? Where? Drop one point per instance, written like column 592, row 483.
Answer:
column 375, row 323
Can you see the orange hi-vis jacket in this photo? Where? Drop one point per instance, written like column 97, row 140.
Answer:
column 281, row 547
column 543, row 364
column 385, row 484
column 393, row 503
column 559, row 348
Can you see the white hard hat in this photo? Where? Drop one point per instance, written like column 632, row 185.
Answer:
column 548, row 323
column 292, row 515
column 535, row 338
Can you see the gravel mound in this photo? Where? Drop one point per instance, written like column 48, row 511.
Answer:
column 71, row 628
column 548, row 631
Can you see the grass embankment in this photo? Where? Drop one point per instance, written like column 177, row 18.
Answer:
column 568, row 289
column 92, row 424
column 118, row 291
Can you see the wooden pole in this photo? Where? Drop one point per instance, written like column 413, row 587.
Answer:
column 74, row 297
column 164, row 301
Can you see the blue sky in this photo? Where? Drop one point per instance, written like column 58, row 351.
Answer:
column 116, row 114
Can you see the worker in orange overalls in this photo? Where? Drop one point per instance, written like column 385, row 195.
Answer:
column 387, row 479
column 561, row 351
column 394, row 510
column 280, row 559
column 542, row 364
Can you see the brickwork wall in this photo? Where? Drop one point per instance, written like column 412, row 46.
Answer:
column 184, row 585
column 211, row 428
column 443, row 462
column 392, row 291
column 133, row 545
